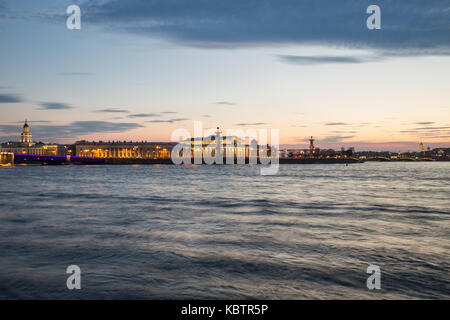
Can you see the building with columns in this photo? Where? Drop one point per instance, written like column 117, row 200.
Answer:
column 119, row 149
column 228, row 146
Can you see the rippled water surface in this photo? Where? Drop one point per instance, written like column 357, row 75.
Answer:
column 225, row 231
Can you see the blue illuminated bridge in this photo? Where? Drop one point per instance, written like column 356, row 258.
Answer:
column 47, row 159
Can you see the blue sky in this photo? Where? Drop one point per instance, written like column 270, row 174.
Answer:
column 137, row 70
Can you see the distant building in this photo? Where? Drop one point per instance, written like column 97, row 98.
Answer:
column 311, row 147
column 6, row 159
column 421, row 148
column 25, row 136
column 28, row 146
column 163, row 150
column 119, row 149
column 314, row 152
column 294, row 153
column 231, row 146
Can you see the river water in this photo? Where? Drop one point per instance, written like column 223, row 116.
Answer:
column 225, row 232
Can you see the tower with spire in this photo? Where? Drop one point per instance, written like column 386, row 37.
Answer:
column 25, row 136
column 311, row 147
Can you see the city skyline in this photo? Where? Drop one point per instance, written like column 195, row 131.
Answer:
column 198, row 153
column 354, row 88
column 27, row 141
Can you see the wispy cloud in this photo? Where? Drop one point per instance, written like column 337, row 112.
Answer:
column 144, row 115
column 226, row 103
column 169, row 112
column 431, row 128
column 54, row 106
column 335, row 139
column 336, row 124
column 82, row 127
column 425, row 123
column 69, row 74
column 342, row 132
column 10, row 98
column 112, row 110
column 168, row 120
column 251, row 124
column 428, row 131
column 310, row 60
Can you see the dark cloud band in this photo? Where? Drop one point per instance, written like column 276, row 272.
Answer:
column 143, row 115
column 10, row 98
column 112, row 110
column 71, row 130
column 54, row 106
column 408, row 27
column 168, row 120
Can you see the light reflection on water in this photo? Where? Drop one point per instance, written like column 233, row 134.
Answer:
column 225, row 231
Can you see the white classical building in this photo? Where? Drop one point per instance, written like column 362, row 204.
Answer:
column 27, row 146
column 26, row 137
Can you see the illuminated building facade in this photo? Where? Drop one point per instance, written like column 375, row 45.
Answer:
column 294, row 153
column 421, row 148
column 27, row 146
column 6, row 159
column 37, row 149
column 228, row 146
column 314, row 152
column 25, row 136
column 124, row 150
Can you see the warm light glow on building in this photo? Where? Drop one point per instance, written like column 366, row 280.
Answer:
column 6, row 159
column 27, row 146
column 124, row 150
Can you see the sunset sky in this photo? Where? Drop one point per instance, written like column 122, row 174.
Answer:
column 138, row 70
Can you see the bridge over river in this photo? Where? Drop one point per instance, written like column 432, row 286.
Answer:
column 54, row 160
